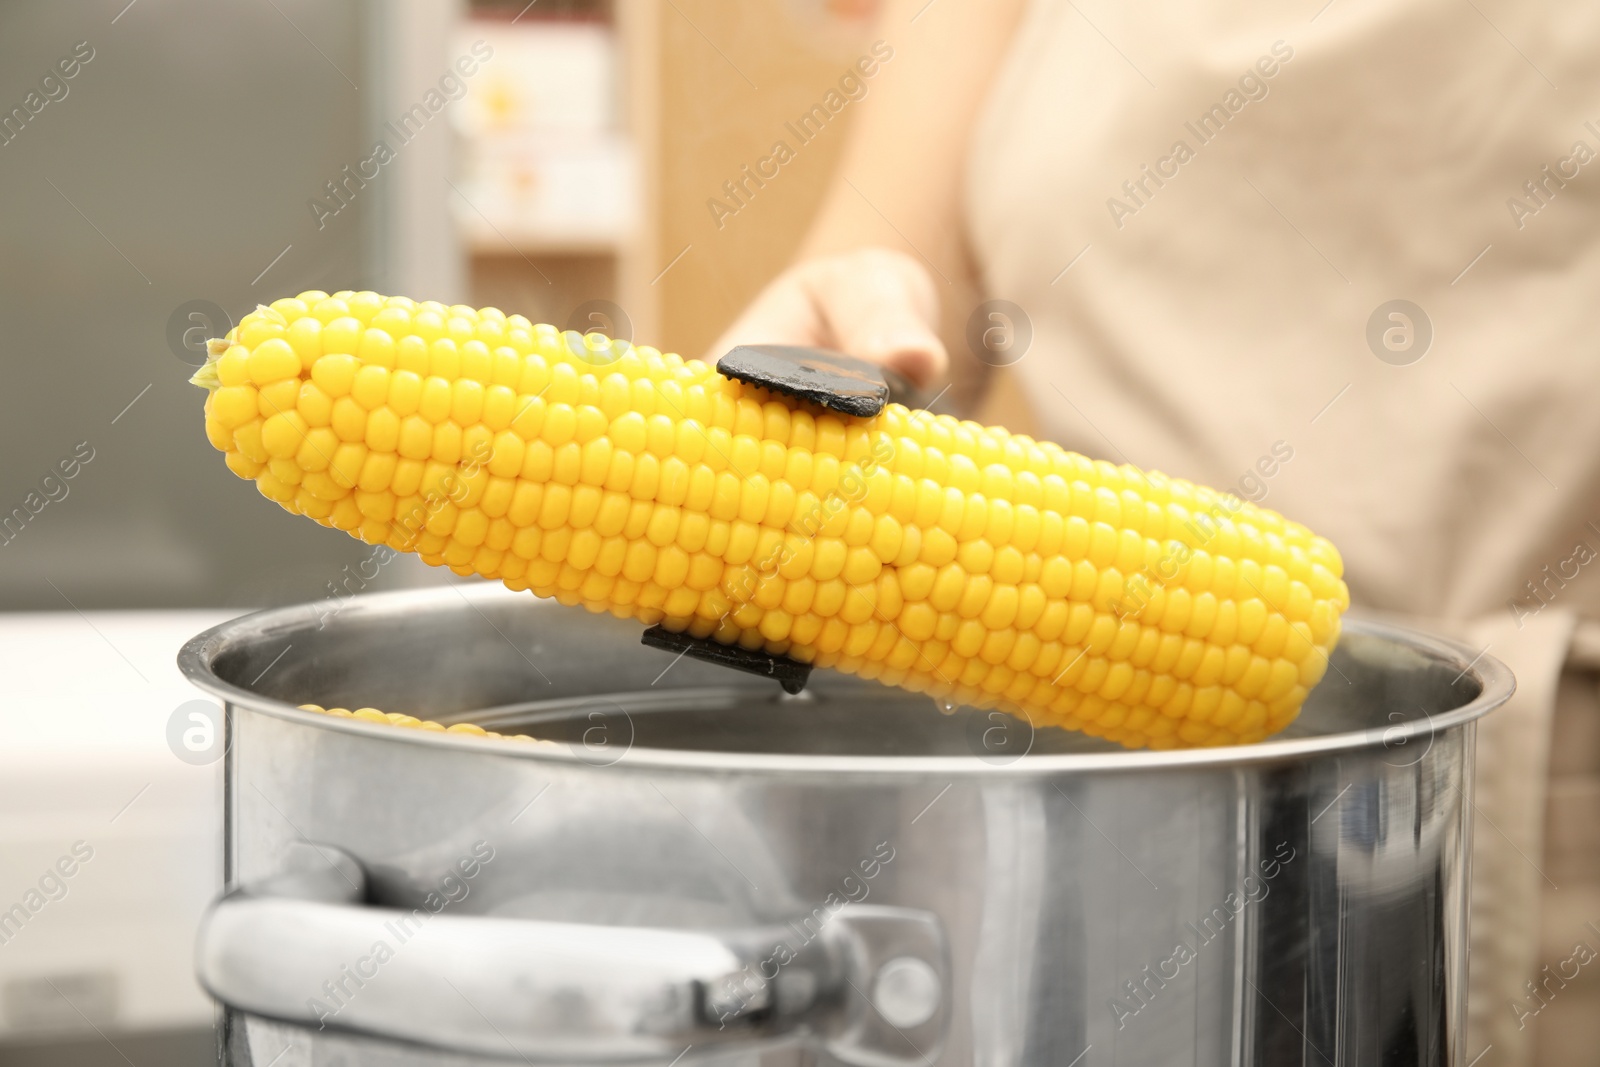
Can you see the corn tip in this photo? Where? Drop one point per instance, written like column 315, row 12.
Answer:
column 207, row 377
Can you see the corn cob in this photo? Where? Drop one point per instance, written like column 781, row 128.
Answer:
column 411, row 722
column 978, row 566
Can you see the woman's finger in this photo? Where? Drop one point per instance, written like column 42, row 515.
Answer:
column 881, row 306
column 873, row 304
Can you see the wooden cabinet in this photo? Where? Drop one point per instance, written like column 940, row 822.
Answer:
column 707, row 90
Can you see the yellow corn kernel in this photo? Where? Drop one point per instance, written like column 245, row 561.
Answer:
column 273, row 360
column 233, row 406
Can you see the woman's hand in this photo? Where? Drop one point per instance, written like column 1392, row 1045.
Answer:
column 871, row 303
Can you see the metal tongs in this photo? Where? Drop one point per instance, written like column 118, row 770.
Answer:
column 821, row 376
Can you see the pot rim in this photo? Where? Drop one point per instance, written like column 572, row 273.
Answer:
column 197, row 654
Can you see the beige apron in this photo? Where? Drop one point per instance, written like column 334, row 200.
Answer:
column 1204, row 210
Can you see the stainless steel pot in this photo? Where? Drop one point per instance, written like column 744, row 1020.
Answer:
column 700, row 868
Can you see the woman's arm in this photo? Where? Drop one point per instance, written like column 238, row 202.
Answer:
column 898, row 184
column 886, row 245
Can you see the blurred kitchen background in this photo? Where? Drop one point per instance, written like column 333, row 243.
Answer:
column 552, row 158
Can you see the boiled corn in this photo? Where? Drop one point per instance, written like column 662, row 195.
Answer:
column 976, row 565
column 394, row 718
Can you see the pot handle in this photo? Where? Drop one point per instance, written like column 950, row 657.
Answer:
column 870, row 984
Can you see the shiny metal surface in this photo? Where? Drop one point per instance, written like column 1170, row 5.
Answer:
column 1299, row 901
column 563, row 991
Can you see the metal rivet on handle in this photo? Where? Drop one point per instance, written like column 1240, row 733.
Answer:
column 906, row 992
